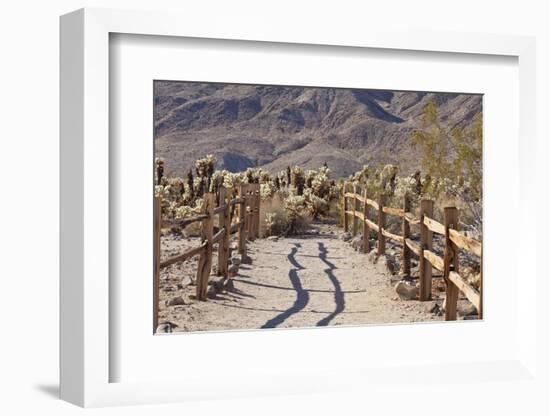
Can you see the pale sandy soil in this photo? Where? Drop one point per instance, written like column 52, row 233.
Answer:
column 306, row 281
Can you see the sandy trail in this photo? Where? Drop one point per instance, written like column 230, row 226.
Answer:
column 306, row 281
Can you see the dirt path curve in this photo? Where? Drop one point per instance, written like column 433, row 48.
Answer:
column 306, row 281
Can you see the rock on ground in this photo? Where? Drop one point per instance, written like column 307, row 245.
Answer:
column 406, row 291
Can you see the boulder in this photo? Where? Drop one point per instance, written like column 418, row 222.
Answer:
column 346, row 237
column 211, row 292
column 233, row 270
column 178, row 300
column 187, row 281
column 406, row 291
column 465, row 308
column 246, row 259
column 390, row 264
column 217, row 282
column 166, row 327
column 236, row 260
column 433, row 307
column 228, row 285
column 357, row 243
column 372, row 257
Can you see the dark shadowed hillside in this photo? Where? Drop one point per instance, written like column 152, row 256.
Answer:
column 274, row 127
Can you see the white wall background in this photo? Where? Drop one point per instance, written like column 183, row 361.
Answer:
column 29, row 209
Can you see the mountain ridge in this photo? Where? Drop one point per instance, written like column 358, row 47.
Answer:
column 273, row 127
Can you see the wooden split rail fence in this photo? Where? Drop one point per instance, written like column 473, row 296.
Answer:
column 357, row 205
column 238, row 214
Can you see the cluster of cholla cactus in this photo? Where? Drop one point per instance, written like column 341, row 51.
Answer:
column 302, row 194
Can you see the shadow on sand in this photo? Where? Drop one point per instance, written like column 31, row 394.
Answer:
column 302, row 296
column 338, row 294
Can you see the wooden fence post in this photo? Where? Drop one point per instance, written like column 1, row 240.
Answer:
column 381, row 225
column 345, row 207
column 156, row 278
column 227, row 236
column 250, row 212
column 223, row 245
column 366, row 247
column 355, row 206
column 221, row 225
column 257, row 210
column 426, row 237
column 450, row 261
column 205, row 260
column 242, row 221
column 406, row 260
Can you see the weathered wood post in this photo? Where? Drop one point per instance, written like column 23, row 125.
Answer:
column 221, row 226
column 355, row 209
column 381, row 225
column 224, row 224
column 257, row 211
column 345, row 207
column 406, row 260
column 366, row 230
column 450, row 261
column 156, row 278
column 251, row 235
column 426, row 237
column 205, row 260
column 242, row 220
column 227, row 236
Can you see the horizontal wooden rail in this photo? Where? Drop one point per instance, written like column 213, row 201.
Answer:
column 184, row 222
column 398, row 212
column 465, row 243
column 414, row 247
column 411, row 218
column 434, row 259
column 434, row 226
column 372, row 203
column 183, row 256
column 219, row 209
column 469, row 291
column 395, row 237
column 235, row 227
column 218, row 236
column 236, row 201
column 371, row 224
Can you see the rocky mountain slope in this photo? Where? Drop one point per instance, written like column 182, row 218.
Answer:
column 274, row 127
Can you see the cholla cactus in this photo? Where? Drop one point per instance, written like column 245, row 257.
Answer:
column 361, row 177
column 298, row 179
column 316, row 206
column 294, row 204
column 159, row 163
column 267, row 190
column 270, row 223
column 205, row 166
column 185, row 211
column 321, row 184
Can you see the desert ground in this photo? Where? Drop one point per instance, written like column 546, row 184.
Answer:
column 315, row 279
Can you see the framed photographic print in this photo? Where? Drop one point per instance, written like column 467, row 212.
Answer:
column 274, row 189
column 274, row 206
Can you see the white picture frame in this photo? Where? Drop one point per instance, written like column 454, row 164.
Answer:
column 85, row 217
